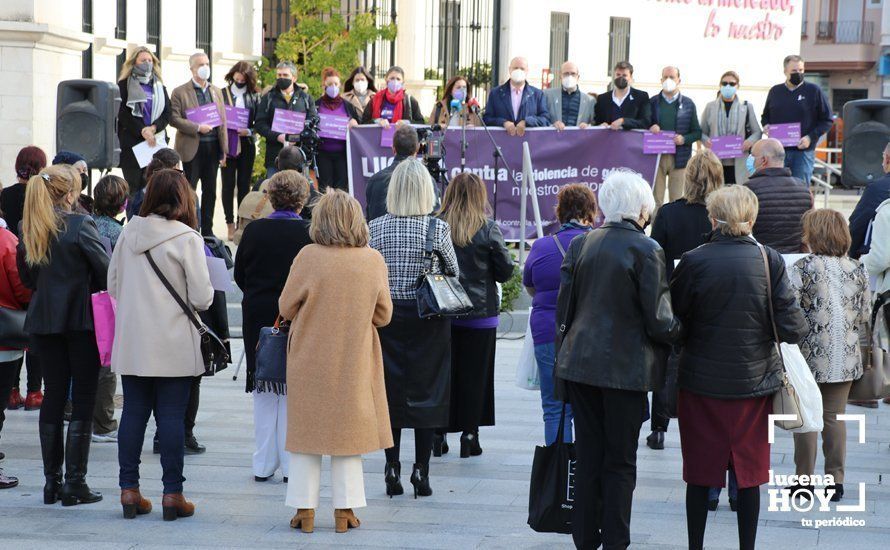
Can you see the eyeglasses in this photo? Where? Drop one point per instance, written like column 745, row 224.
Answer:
column 725, row 83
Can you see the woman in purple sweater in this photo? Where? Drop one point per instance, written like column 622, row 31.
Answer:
column 576, row 211
column 331, row 157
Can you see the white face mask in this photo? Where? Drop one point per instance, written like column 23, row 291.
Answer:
column 569, row 82
column 669, row 85
column 517, row 76
column 360, row 86
column 204, row 72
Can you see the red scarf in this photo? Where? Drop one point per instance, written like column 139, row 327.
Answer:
column 395, row 98
column 332, row 104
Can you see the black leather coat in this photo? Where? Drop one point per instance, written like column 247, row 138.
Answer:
column 719, row 293
column 614, row 314
column 62, row 288
column 482, row 262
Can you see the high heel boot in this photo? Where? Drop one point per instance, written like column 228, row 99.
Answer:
column 51, row 449
column 134, row 503
column 176, row 506
column 440, row 444
column 77, row 454
column 392, row 478
column 469, row 445
column 420, row 479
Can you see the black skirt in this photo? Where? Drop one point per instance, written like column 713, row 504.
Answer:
column 417, row 367
column 472, row 378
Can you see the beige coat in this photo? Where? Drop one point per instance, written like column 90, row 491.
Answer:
column 182, row 99
column 152, row 335
column 747, row 120
column 336, row 397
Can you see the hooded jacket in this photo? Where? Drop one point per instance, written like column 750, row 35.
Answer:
column 153, row 336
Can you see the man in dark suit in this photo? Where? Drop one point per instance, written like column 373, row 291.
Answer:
column 860, row 220
column 625, row 107
column 404, row 145
column 516, row 104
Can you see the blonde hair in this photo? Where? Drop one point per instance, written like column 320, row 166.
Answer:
column 338, row 220
column 734, row 208
column 127, row 67
column 410, row 190
column 704, row 175
column 826, row 232
column 465, row 207
column 45, row 194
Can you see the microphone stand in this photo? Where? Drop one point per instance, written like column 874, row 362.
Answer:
column 498, row 156
column 463, row 141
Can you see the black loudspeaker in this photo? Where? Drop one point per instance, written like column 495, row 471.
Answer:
column 86, row 121
column 866, row 133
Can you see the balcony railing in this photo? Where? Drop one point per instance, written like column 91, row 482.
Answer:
column 845, row 32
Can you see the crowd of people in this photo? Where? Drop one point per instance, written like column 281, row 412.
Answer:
column 706, row 294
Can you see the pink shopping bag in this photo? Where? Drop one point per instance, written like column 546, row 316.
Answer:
column 104, row 307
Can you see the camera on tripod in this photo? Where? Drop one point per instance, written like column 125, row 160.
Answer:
column 432, row 146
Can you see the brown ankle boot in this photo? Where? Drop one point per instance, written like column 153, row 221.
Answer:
column 176, row 506
column 304, row 520
column 344, row 519
column 134, row 503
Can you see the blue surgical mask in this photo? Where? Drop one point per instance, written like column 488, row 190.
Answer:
column 459, row 94
column 749, row 165
column 728, row 92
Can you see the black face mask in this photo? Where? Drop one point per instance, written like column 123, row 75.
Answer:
column 84, row 181
column 621, row 83
column 242, row 85
column 796, row 78
column 284, row 83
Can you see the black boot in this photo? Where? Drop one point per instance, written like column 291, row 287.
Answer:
column 391, row 478
column 420, row 478
column 469, row 445
column 77, row 454
column 51, row 448
column 655, row 440
column 440, row 444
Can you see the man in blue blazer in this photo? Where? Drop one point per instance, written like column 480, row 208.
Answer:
column 516, row 104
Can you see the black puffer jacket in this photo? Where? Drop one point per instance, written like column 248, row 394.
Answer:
column 719, row 293
column 614, row 310
column 783, row 201
column 482, row 262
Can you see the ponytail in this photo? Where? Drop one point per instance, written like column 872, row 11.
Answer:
column 41, row 223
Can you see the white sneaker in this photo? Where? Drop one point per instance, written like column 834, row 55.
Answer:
column 110, row 437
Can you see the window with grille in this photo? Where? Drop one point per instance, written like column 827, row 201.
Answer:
column 559, row 43
column 86, row 25
column 120, row 32
column 619, row 41
column 204, row 28
column 153, row 25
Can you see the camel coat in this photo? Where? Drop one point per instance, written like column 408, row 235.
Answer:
column 336, row 398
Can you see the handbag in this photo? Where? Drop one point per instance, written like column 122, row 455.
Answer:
column 12, row 328
column 439, row 294
column 551, row 495
column 104, row 312
column 785, row 401
column 527, row 375
column 271, row 358
column 671, row 392
column 875, row 380
column 213, row 350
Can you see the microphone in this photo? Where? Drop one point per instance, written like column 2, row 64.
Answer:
column 455, row 105
column 473, row 105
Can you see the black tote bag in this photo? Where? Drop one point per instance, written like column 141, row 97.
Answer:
column 551, row 495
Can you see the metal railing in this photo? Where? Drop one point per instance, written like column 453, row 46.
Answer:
column 844, row 32
column 823, row 171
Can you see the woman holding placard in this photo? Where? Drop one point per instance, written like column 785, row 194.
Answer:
column 337, row 116
column 241, row 97
column 144, row 112
column 730, row 116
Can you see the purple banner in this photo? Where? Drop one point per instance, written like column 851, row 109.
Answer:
column 787, row 134
column 237, row 118
column 661, row 143
column 727, row 147
column 288, row 122
column 333, row 126
column 558, row 158
column 205, row 114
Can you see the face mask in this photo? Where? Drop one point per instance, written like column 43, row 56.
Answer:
column 728, row 92
column 143, row 69
column 84, row 181
column 332, row 91
column 459, row 94
column 621, row 83
column 569, row 82
column 669, row 85
column 796, row 78
column 240, row 85
column 283, row 83
column 204, row 72
column 517, row 76
column 394, row 86
column 749, row 165
column 360, row 86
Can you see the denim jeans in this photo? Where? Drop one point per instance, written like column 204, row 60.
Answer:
column 733, row 485
column 545, row 356
column 800, row 163
column 168, row 398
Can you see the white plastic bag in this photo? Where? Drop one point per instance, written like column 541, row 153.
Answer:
column 805, row 386
column 527, row 376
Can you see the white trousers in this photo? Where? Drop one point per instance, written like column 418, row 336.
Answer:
column 270, row 431
column 347, row 481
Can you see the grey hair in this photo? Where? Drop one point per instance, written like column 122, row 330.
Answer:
column 674, row 67
column 81, row 163
column 625, row 195
column 791, row 59
column 287, row 65
column 195, row 56
column 772, row 150
column 410, row 190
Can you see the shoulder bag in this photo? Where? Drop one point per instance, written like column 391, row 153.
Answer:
column 271, row 358
column 213, row 350
column 439, row 294
column 12, row 328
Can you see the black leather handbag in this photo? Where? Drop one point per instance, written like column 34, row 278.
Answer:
column 213, row 350
column 12, row 328
column 439, row 294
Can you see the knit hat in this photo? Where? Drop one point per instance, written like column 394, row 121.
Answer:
column 67, row 157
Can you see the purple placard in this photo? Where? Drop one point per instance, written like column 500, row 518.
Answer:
column 386, row 135
column 333, row 126
column 288, row 122
column 659, row 144
column 558, row 158
column 237, row 118
column 727, row 147
column 787, row 134
column 205, row 114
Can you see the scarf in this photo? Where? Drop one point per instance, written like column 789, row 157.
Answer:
column 283, row 215
column 728, row 125
column 332, row 104
column 136, row 97
column 394, row 98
